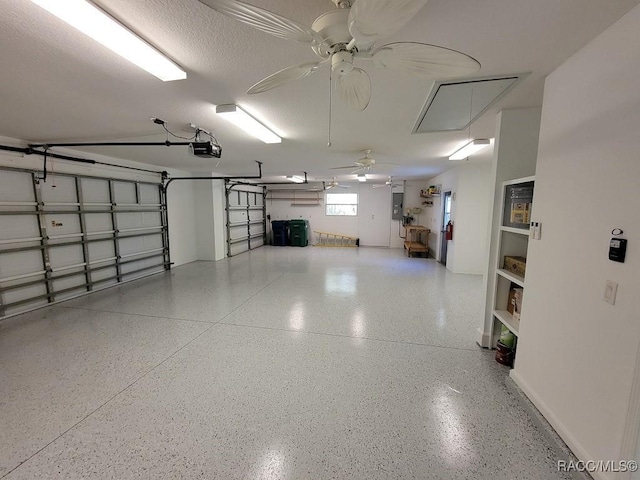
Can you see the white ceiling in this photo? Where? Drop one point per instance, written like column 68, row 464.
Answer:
column 58, row 85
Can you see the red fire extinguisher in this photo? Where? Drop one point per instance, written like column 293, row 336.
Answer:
column 449, row 231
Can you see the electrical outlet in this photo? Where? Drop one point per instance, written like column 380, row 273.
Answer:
column 610, row 291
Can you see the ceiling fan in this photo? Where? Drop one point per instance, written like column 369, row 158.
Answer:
column 388, row 183
column 363, row 164
column 333, row 183
column 347, row 33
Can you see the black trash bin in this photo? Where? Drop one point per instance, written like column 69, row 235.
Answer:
column 299, row 232
column 280, row 233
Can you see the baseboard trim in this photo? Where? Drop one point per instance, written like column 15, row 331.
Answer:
column 483, row 339
column 565, row 444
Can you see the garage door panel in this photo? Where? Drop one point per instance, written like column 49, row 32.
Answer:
column 101, row 250
column 62, row 224
column 25, row 306
column 237, row 249
column 236, row 216
column 256, row 229
column 142, row 267
column 80, row 236
column 149, row 194
column 245, row 219
column 138, row 219
column 59, row 189
column 103, row 274
column 61, row 257
column 20, row 263
column 98, row 222
column 124, row 192
column 78, row 281
column 18, row 227
column 16, row 187
column 95, row 190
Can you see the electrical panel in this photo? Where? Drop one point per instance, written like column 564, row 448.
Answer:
column 396, row 206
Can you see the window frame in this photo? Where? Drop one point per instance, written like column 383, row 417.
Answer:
column 327, row 204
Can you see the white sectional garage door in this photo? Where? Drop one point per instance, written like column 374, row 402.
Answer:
column 246, row 227
column 74, row 234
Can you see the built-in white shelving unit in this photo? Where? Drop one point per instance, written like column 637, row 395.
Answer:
column 513, row 240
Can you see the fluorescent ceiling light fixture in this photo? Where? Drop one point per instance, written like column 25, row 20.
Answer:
column 246, row 122
column 362, row 177
column 470, row 148
column 295, row 178
column 95, row 23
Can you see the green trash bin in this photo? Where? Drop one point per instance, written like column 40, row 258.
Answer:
column 299, row 232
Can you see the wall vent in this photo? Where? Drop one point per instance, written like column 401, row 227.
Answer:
column 449, row 106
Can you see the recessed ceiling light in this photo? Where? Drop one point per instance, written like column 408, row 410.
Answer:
column 95, row 23
column 246, row 122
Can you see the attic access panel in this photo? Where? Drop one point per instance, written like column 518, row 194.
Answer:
column 453, row 105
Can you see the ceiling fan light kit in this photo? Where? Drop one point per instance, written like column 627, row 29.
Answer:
column 362, row 177
column 235, row 115
column 470, row 148
column 348, row 33
column 95, row 23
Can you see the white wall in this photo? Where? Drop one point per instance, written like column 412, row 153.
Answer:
column 380, row 231
column 514, row 156
column 205, row 231
column 471, row 187
column 181, row 201
column 576, row 353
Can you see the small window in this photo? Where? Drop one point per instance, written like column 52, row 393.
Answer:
column 342, row 204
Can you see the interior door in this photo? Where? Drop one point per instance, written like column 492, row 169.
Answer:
column 374, row 216
column 446, row 216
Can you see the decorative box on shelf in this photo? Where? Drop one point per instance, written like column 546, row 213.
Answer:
column 432, row 191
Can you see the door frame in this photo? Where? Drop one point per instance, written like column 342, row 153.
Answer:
column 443, row 246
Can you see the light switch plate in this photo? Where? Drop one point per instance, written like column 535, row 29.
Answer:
column 610, row 291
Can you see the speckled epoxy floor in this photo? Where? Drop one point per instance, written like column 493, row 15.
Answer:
column 296, row 363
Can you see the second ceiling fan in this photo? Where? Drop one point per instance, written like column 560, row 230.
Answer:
column 347, row 33
column 363, row 164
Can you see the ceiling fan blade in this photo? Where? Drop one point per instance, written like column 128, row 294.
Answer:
column 342, row 168
column 423, row 59
column 285, row 75
column 355, row 88
column 264, row 21
column 371, row 19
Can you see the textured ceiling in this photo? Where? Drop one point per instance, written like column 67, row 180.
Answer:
column 57, row 84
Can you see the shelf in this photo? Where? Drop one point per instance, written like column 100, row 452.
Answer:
column 518, row 231
column 415, row 246
column 517, row 279
column 314, row 199
column 517, row 181
column 508, row 321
